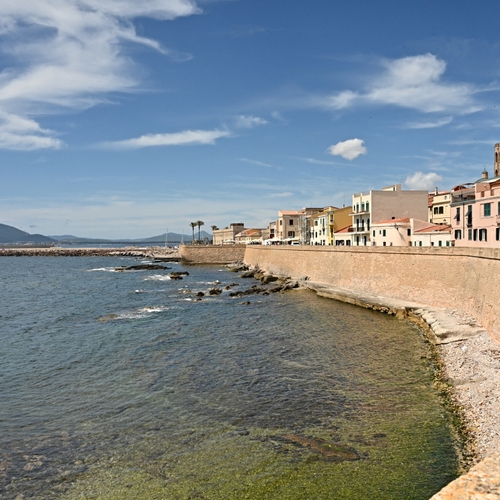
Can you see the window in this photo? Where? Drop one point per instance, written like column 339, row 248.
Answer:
column 458, row 234
column 475, row 235
column 374, row 233
column 291, row 234
column 435, row 210
column 487, row 209
column 363, row 207
column 457, row 215
column 408, row 232
column 419, row 243
column 368, row 206
column 498, row 233
column 469, row 215
column 441, row 210
column 447, row 243
column 281, row 222
column 469, row 234
column 440, row 243
column 483, row 233
column 383, row 232
column 291, row 222
column 315, row 222
column 498, row 209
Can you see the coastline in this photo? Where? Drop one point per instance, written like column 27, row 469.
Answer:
column 470, row 365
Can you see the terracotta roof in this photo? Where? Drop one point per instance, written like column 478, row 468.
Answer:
column 435, row 228
column 393, row 221
column 289, row 212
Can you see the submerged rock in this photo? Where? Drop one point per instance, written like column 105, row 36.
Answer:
column 142, row 267
column 329, row 449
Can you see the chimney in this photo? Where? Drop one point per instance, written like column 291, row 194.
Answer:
column 436, row 191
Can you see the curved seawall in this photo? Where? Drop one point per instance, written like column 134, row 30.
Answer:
column 458, row 278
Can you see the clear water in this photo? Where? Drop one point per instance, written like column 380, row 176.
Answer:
column 121, row 385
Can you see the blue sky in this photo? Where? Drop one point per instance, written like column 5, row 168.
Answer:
column 121, row 118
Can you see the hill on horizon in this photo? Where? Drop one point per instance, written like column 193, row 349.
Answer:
column 161, row 238
column 10, row 234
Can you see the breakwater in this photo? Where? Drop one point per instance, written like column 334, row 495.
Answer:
column 151, row 252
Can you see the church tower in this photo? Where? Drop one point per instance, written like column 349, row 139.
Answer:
column 496, row 170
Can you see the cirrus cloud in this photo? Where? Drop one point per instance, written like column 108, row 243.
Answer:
column 68, row 54
column 349, row 149
column 187, row 137
column 412, row 82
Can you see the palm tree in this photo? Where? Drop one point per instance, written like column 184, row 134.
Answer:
column 199, row 223
column 193, row 225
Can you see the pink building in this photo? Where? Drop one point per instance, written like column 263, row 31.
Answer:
column 475, row 211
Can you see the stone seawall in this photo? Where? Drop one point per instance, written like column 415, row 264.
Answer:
column 461, row 278
column 212, row 254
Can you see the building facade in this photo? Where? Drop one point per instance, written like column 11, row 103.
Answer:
column 388, row 203
column 476, row 212
column 439, row 207
column 227, row 235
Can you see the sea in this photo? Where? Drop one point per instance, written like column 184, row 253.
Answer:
column 127, row 384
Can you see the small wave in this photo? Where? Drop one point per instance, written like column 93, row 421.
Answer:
column 105, row 269
column 143, row 312
column 157, row 277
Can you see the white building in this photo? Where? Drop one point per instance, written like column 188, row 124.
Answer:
column 387, row 203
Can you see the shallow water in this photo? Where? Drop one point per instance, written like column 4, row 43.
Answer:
column 121, row 385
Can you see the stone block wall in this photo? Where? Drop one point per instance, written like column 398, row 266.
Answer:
column 212, row 254
column 459, row 278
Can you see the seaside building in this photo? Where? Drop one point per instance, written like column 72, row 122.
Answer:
column 476, row 211
column 293, row 225
column 439, row 207
column 435, row 235
column 388, row 203
column 325, row 224
column 391, row 232
column 249, row 236
column 227, row 235
column 269, row 232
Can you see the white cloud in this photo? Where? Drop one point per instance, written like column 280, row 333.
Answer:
column 412, row 82
column 419, row 180
column 349, row 149
column 24, row 134
column 67, row 53
column 175, row 139
column 243, row 121
column 436, row 124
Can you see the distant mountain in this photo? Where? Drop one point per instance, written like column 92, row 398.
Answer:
column 160, row 239
column 10, row 234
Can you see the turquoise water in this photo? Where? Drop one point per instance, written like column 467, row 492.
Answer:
column 122, row 385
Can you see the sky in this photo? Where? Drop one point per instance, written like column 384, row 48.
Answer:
column 125, row 119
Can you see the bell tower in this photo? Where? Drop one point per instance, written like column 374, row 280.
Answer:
column 496, row 169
